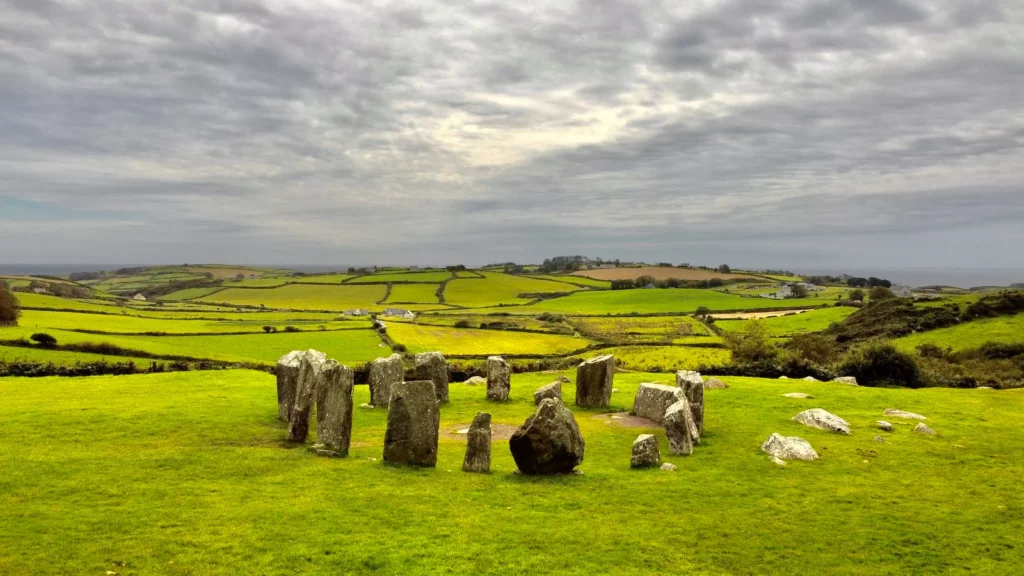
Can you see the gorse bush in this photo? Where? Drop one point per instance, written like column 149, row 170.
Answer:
column 880, row 363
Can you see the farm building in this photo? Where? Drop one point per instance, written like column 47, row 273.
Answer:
column 356, row 312
column 902, row 290
column 396, row 312
column 139, row 297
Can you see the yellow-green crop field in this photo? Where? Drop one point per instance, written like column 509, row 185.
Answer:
column 474, row 320
column 14, row 354
column 790, row 324
column 664, row 358
column 190, row 293
column 319, row 279
column 1005, row 329
column 466, row 342
column 40, row 320
column 577, row 280
column 426, row 277
column 656, row 301
column 639, row 328
column 304, row 296
column 497, row 288
column 406, row 293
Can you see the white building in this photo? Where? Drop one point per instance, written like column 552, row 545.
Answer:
column 356, row 312
column 902, row 290
column 785, row 291
column 139, row 296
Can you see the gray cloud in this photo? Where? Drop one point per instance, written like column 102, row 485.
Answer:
column 776, row 134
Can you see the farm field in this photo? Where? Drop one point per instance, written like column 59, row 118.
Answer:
column 655, row 301
column 190, row 293
column 638, row 328
column 664, row 358
column 304, row 296
column 658, row 273
column 41, row 320
column 1006, row 329
column 802, row 323
column 207, row 448
column 319, row 279
column 577, row 280
column 427, row 277
column 497, row 288
column 466, row 342
column 422, row 293
column 12, row 354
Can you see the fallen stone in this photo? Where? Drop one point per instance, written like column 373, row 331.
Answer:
column 594, row 379
column 984, row 388
column 384, row 372
column 432, row 366
column 810, row 379
column 823, row 420
column 923, row 428
column 783, row 377
column 499, row 379
column 879, row 439
column 366, row 406
column 652, row 400
column 475, row 381
column 788, row 448
column 552, row 390
column 778, row 461
column 413, row 424
column 614, row 390
column 848, row 380
column 715, row 384
column 668, row 467
column 883, row 425
column 478, row 445
column 549, row 442
column 692, row 386
column 645, row 452
column 902, row 414
column 334, row 408
column 564, row 379
column 309, row 380
column 797, row 395
column 680, row 428
column 462, row 431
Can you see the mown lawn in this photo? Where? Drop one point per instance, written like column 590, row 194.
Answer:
column 304, row 296
column 459, row 341
column 1007, row 329
column 802, row 323
column 187, row 474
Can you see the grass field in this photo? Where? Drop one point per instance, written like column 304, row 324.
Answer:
column 497, row 288
column 802, row 323
column 527, row 322
column 643, row 301
column 187, row 474
column 304, row 297
column 1007, row 329
column 190, row 293
column 576, row 280
column 664, row 358
column 456, row 341
column 41, row 320
column 638, row 328
column 429, row 277
column 320, row 278
column 658, row 273
column 64, row 357
column 424, row 293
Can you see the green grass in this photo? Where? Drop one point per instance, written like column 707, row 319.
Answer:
column 434, row 277
column 423, row 293
column 40, row 320
column 320, row 279
column 1007, row 329
column 643, row 301
column 189, row 293
column 577, row 280
column 186, row 473
column 664, row 358
column 802, row 323
column 304, row 297
column 635, row 329
column 456, row 341
column 20, row 354
column 527, row 322
column 498, row 288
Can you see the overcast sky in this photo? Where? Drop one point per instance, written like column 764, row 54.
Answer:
column 771, row 134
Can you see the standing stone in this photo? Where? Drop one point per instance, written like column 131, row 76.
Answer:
column 431, row 366
column 645, row 452
column 478, row 445
column 308, row 382
column 334, row 409
column 788, row 448
column 848, row 380
column 384, row 372
column 652, row 400
column 715, row 384
column 594, row 380
column 413, row 424
column 549, row 442
column 680, row 428
column 693, row 386
column 499, row 378
column 552, row 390
column 287, row 377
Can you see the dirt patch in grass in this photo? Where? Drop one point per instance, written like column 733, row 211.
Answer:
column 498, row 431
column 627, row 420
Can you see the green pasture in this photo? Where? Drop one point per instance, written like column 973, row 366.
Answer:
column 639, row 328
column 526, row 322
column 189, row 293
column 577, row 280
column 656, row 300
column 664, row 358
column 320, row 278
column 40, row 320
column 497, row 288
column 428, row 277
column 304, row 296
column 421, row 293
column 1005, row 329
column 790, row 324
column 13, row 354
column 187, row 473
column 462, row 342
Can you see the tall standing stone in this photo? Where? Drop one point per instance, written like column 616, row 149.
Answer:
column 414, row 421
column 287, row 377
column 431, row 366
column 594, row 379
column 680, row 428
column 652, row 400
column 384, row 372
column 478, row 445
column 693, row 387
column 310, row 376
column 549, row 442
column 334, row 408
column 499, row 378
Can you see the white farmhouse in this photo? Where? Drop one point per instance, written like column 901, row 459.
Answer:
column 139, row 297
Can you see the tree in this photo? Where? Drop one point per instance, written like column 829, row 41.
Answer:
column 857, row 295
column 799, row 291
column 702, row 311
column 752, row 344
column 10, row 308
column 643, row 281
column 239, row 276
column 724, row 269
column 44, row 339
column 268, row 329
column 880, row 293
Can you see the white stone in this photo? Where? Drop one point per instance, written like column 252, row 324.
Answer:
column 668, row 467
column 883, row 425
column 922, row 428
column 903, row 414
column 848, row 380
column 797, row 395
column 823, row 420
column 788, row 448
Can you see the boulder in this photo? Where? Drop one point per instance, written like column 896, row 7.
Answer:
column 645, row 452
column 564, row 380
column 432, row 366
column 478, row 445
column 879, row 439
column 680, row 428
column 334, row 408
column 797, row 395
column 714, row 384
column 923, row 428
column 475, row 381
column 668, row 467
column 549, row 442
column 883, row 425
column 693, row 386
column 499, row 378
column 552, row 390
column 413, row 424
column 902, row 414
column 594, row 379
column 384, row 372
column 783, row 377
column 810, row 379
column 308, row 382
column 848, row 380
column 823, row 420
column 788, row 448
column 652, row 400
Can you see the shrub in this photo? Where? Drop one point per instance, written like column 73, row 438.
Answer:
column 44, row 339
column 10, row 308
column 881, row 364
column 290, row 329
column 751, row 345
column 1000, row 350
column 927, row 350
column 269, row 329
column 400, row 348
column 815, row 348
column 881, row 293
column 857, row 295
column 462, row 324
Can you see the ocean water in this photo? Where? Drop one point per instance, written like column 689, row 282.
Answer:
column 961, row 278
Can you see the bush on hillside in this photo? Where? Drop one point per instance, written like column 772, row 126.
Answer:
column 751, row 345
column 44, row 339
column 814, row 348
column 290, row 329
column 10, row 308
column 882, row 364
column 462, row 324
column 1006, row 302
column 880, row 293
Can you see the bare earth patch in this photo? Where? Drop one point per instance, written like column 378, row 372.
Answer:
column 498, row 431
column 757, row 315
column 627, row 420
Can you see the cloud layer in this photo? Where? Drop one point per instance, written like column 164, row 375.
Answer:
column 787, row 134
